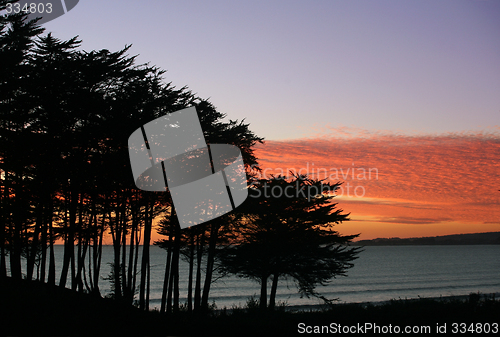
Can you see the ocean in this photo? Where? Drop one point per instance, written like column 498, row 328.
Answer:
column 380, row 273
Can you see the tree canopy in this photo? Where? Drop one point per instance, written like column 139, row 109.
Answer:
column 287, row 231
column 65, row 118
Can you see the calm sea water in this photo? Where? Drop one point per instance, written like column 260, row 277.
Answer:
column 379, row 274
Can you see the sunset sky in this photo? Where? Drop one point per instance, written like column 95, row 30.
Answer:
column 409, row 88
column 403, row 185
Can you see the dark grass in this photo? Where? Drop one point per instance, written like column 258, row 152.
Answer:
column 33, row 308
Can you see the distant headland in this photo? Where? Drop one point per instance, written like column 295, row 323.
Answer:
column 490, row 238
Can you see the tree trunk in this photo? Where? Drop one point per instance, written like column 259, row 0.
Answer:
column 15, row 256
column 197, row 289
column 98, row 250
column 116, row 237
column 69, row 250
column 3, row 226
column 16, row 230
column 170, row 284
column 191, row 266
column 123, row 264
column 90, row 238
column 43, row 262
column 167, row 274
column 82, row 247
column 263, row 292
column 148, row 285
column 175, row 266
column 3, row 264
column 214, row 232
column 274, row 288
column 34, row 243
column 51, row 280
column 130, row 276
column 73, row 232
column 82, row 254
column 136, row 256
column 145, row 257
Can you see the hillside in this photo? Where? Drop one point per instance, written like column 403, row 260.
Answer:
column 491, row 238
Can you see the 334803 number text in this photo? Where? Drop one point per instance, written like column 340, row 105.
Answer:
column 474, row 328
column 29, row 8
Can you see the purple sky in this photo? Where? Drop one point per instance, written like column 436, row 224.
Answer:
column 297, row 68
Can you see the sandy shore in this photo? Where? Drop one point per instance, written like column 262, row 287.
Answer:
column 319, row 307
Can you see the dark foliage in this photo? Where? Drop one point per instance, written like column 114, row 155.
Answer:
column 65, row 119
column 286, row 230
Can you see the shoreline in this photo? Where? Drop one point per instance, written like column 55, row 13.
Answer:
column 301, row 308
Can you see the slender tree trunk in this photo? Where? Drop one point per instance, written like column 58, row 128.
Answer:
column 167, row 272
column 16, row 229
column 82, row 246
column 175, row 266
column 199, row 255
column 191, row 266
column 134, row 243
column 4, row 199
column 69, row 247
column 98, row 248
column 73, row 233
column 131, row 252
column 123, row 264
column 51, row 280
column 3, row 264
column 116, row 261
column 114, row 226
column 148, row 286
column 76, row 283
column 263, row 292
column 81, row 266
column 123, row 269
column 98, row 260
column 89, row 237
column 15, row 257
column 43, row 262
column 136, row 257
column 82, row 254
column 274, row 288
column 145, row 257
column 171, row 282
column 212, row 245
column 34, row 243
column 90, row 284
column 3, row 225
column 66, row 257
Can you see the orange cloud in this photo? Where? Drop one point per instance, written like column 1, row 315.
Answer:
column 445, row 184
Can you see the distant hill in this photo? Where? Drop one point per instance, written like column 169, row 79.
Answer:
column 491, row 238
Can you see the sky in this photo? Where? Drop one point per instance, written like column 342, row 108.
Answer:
column 411, row 88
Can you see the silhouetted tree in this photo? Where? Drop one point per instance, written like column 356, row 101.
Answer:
column 16, row 40
column 287, row 232
column 65, row 118
column 207, row 235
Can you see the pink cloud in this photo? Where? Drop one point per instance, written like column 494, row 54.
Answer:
column 454, row 176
